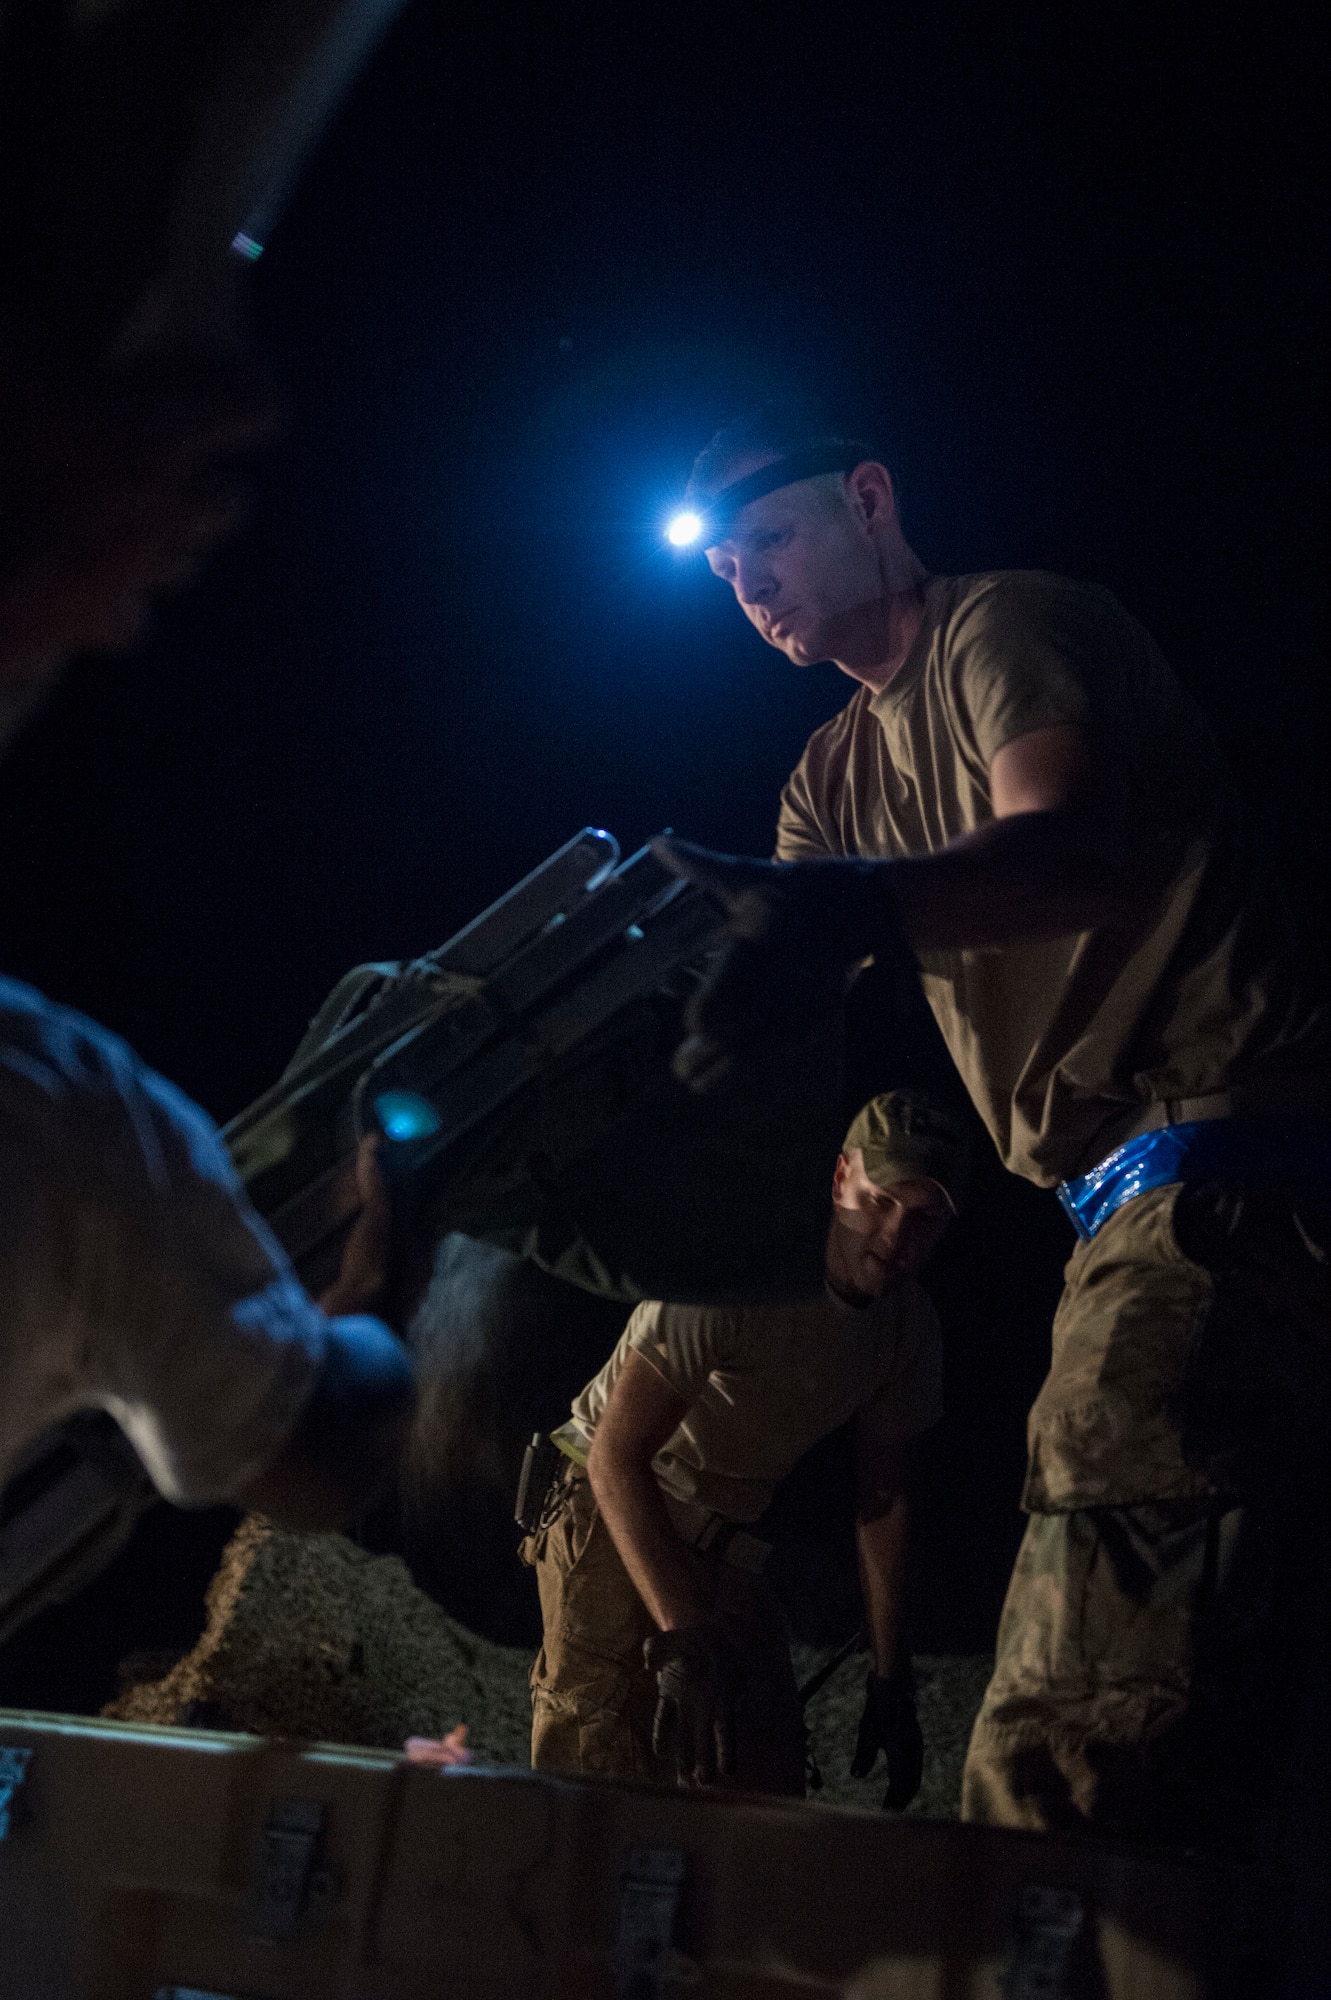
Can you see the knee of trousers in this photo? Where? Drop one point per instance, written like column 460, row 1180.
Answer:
column 1041, row 1777
column 1100, row 1617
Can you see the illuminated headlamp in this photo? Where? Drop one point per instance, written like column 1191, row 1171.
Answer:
column 684, row 529
column 704, row 526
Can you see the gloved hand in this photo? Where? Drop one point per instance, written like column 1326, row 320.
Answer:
column 697, row 1677
column 795, row 928
column 889, row 1724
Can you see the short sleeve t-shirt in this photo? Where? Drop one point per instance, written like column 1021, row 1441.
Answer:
column 1064, row 1042
column 764, row 1383
column 134, row 1275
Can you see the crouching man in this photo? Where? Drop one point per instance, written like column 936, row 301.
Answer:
column 665, row 1652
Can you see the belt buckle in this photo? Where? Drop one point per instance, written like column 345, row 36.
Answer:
column 1067, row 1201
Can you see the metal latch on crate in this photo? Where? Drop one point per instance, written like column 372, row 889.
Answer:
column 1049, row 1922
column 13, row 1770
column 646, row 1962
column 286, row 1884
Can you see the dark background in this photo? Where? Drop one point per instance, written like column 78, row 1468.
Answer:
column 1063, row 262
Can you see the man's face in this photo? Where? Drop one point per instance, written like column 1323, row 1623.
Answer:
column 803, row 565
column 880, row 1236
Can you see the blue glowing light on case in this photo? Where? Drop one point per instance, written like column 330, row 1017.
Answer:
column 403, row 1115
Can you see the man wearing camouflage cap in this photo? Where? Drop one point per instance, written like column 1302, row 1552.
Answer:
column 665, row 1652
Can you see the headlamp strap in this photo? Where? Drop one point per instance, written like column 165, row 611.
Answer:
column 719, row 514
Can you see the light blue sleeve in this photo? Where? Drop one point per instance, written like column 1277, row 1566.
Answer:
column 134, row 1274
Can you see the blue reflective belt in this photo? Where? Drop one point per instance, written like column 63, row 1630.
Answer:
column 1227, row 1149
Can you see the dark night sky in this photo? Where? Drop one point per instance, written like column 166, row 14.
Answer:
column 1065, row 266
column 1062, row 259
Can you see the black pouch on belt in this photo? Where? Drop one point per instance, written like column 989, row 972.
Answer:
column 541, row 1462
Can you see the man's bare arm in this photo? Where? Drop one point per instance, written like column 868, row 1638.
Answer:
column 349, row 1442
column 642, row 1412
column 347, row 1446
column 1052, row 860
column 1055, row 859
column 884, row 1471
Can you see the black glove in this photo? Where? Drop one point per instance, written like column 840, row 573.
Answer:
column 889, row 1724
column 795, row 927
column 697, row 1677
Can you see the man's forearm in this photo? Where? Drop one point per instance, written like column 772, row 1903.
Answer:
column 881, row 1542
column 634, row 1512
column 349, row 1441
column 1024, row 876
column 1030, row 875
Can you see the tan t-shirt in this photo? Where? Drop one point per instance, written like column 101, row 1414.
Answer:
column 765, row 1383
column 1063, row 1043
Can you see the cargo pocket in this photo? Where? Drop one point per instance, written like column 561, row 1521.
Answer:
column 617, row 1742
column 1041, row 1635
column 600, row 1726
column 1227, row 1404
column 1145, row 1587
column 1103, row 1432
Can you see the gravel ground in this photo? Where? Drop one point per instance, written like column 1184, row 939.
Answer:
column 309, row 1636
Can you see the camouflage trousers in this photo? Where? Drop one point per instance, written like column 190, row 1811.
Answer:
column 593, row 1700
column 1168, row 1619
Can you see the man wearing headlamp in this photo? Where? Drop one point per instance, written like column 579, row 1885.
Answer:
column 1021, row 807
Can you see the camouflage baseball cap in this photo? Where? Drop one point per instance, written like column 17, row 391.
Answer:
column 908, row 1135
